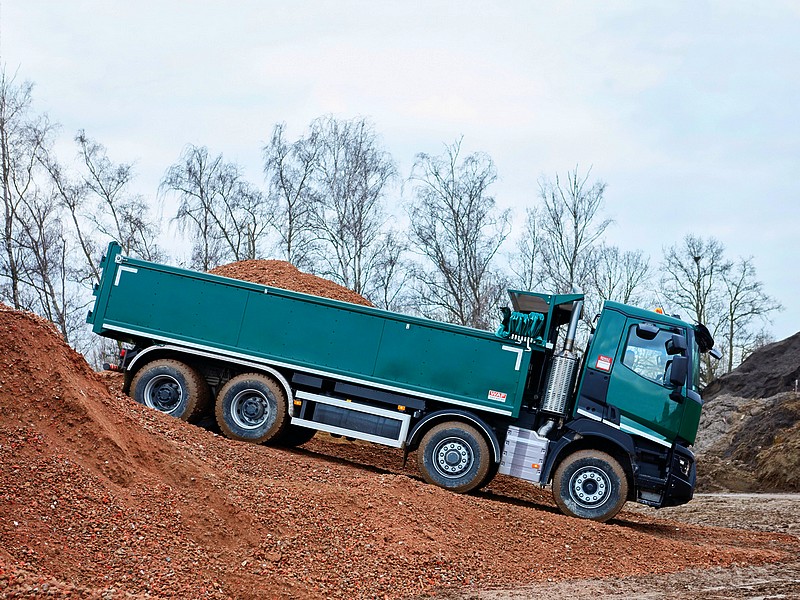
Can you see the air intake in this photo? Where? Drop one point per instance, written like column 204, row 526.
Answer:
column 559, row 383
column 563, row 368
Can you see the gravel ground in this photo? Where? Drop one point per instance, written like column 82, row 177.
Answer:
column 757, row 512
column 103, row 498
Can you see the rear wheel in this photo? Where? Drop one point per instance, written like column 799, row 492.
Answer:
column 171, row 387
column 454, row 456
column 591, row 485
column 252, row 408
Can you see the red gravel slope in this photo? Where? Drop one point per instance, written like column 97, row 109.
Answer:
column 102, row 498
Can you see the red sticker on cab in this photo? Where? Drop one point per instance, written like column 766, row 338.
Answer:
column 604, row 363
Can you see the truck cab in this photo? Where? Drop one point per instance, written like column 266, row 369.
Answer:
column 631, row 416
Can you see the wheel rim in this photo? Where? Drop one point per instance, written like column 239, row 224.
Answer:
column 452, row 457
column 250, row 409
column 589, row 487
column 164, row 393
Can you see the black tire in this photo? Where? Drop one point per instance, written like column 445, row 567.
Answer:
column 454, row 456
column 294, row 435
column 490, row 475
column 252, row 408
column 171, row 387
column 591, row 485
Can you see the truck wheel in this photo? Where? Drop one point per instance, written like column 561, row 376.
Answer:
column 591, row 485
column 252, row 408
column 494, row 467
column 171, row 387
column 454, row 456
column 294, row 435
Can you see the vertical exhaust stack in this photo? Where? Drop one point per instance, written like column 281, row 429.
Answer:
column 577, row 311
column 561, row 378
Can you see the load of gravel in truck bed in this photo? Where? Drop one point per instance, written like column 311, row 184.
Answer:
column 749, row 438
column 281, row 274
column 103, row 498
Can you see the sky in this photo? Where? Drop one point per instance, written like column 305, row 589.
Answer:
column 687, row 110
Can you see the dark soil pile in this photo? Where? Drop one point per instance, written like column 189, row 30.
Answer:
column 768, row 371
column 103, row 498
column 749, row 439
column 284, row 275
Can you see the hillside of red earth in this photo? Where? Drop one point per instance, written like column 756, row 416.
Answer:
column 284, row 275
column 749, row 438
column 103, row 498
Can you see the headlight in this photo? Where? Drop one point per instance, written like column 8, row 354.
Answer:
column 684, row 466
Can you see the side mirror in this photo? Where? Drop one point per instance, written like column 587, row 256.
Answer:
column 715, row 354
column 647, row 331
column 676, row 345
column 679, row 371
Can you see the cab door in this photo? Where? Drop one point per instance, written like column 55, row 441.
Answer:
column 640, row 386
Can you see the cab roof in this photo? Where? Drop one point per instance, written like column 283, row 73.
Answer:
column 645, row 315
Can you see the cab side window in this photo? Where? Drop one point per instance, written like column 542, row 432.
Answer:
column 648, row 358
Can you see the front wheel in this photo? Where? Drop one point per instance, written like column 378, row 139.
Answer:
column 591, row 485
column 454, row 456
column 252, row 408
column 491, row 473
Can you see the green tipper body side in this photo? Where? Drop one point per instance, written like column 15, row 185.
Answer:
column 143, row 301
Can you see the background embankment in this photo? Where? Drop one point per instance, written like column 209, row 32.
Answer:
column 749, row 438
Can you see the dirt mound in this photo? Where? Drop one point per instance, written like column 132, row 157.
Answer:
column 780, row 461
column 281, row 274
column 750, row 444
column 749, row 437
column 103, row 498
column 768, row 371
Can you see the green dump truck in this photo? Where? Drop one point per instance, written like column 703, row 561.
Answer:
column 602, row 426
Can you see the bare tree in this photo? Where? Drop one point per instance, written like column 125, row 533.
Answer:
column 23, row 141
column 226, row 215
column 250, row 215
column 569, row 227
column 691, row 279
column 37, row 259
column 351, row 176
column 457, row 230
column 118, row 214
column 526, row 263
column 393, row 275
column 194, row 179
column 72, row 195
column 45, row 270
column 746, row 302
column 723, row 295
column 620, row 276
column 289, row 169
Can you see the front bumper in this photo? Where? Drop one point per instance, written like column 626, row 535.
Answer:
column 681, row 478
